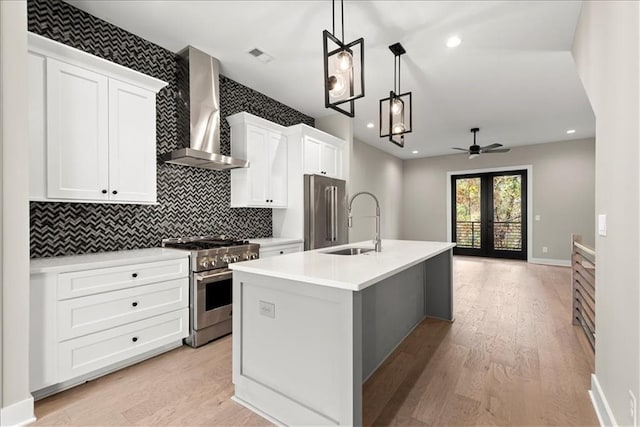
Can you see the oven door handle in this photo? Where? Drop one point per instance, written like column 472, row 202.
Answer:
column 215, row 277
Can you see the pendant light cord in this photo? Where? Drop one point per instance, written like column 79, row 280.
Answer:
column 333, row 17
column 342, row 17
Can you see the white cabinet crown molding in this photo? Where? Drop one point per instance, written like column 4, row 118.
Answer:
column 53, row 49
column 244, row 118
column 315, row 133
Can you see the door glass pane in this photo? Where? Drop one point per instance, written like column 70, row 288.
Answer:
column 468, row 212
column 507, row 212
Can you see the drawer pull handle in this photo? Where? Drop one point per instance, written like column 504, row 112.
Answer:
column 134, row 304
column 281, row 252
column 134, row 339
column 134, row 275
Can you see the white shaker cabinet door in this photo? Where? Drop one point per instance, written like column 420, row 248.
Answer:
column 330, row 160
column 312, row 160
column 257, row 154
column 277, row 173
column 77, row 133
column 132, row 143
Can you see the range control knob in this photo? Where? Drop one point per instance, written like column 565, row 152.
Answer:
column 234, row 258
column 213, row 261
column 252, row 255
column 226, row 259
column 204, row 262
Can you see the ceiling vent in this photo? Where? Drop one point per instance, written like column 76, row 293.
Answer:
column 260, row 55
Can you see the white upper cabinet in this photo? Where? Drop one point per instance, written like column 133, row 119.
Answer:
column 132, row 134
column 77, row 132
column 322, row 154
column 92, row 127
column 262, row 143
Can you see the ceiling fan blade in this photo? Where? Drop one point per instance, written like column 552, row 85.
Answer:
column 490, row 146
column 497, row 150
column 461, row 149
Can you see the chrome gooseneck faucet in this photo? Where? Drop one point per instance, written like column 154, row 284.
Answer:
column 378, row 242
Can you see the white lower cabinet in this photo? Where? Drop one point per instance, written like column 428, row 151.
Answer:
column 270, row 251
column 87, row 321
column 89, row 353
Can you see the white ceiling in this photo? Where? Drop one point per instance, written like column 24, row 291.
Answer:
column 513, row 75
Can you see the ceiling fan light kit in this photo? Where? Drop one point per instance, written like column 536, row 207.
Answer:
column 396, row 110
column 343, row 68
column 475, row 150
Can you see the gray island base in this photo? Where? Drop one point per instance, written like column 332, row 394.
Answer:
column 309, row 328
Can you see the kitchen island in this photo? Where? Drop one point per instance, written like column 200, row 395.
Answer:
column 310, row 327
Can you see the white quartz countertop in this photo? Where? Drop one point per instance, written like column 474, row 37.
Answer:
column 103, row 259
column 275, row 241
column 351, row 272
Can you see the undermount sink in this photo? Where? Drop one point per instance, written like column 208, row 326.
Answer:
column 349, row 251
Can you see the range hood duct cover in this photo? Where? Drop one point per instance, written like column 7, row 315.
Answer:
column 198, row 109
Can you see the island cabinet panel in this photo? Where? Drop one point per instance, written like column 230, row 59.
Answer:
column 390, row 311
column 297, row 339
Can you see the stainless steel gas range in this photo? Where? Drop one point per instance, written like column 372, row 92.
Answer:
column 211, row 282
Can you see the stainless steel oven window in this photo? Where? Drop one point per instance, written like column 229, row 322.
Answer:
column 212, row 298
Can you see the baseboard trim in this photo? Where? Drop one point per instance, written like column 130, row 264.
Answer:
column 550, row 261
column 18, row 414
column 257, row 411
column 600, row 404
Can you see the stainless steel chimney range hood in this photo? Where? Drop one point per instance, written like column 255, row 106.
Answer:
column 198, row 109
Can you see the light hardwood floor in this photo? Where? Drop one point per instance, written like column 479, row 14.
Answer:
column 511, row 357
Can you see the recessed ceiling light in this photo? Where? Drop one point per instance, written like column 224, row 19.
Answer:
column 454, row 41
column 414, row 152
column 570, row 131
column 370, row 125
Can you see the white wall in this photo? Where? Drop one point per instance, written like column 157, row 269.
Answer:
column 17, row 405
column 563, row 193
column 606, row 50
column 380, row 173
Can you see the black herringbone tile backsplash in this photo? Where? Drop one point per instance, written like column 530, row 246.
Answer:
column 191, row 201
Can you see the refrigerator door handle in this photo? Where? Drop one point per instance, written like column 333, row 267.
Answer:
column 331, row 201
column 334, row 217
column 328, row 201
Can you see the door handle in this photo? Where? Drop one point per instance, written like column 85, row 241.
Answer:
column 334, row 218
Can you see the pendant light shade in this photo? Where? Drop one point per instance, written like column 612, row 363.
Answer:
column 395, row 111
column 343, row 69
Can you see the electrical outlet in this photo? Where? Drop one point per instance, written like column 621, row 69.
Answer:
column 545, row 249
column 632, row 407
column 537, row 217
column 267, row 309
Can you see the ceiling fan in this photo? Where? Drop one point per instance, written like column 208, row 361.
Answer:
column 475, row 150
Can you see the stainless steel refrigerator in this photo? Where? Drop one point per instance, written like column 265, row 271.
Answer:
column 325, row 212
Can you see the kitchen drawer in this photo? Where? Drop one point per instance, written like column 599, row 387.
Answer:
column 93, row 313
column 88, row 282
column 89, row 353
column 280, row 250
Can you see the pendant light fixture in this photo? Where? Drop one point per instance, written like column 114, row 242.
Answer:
column 343, row 68
column 395, row 111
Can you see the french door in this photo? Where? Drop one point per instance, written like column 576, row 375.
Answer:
column 489, row 214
